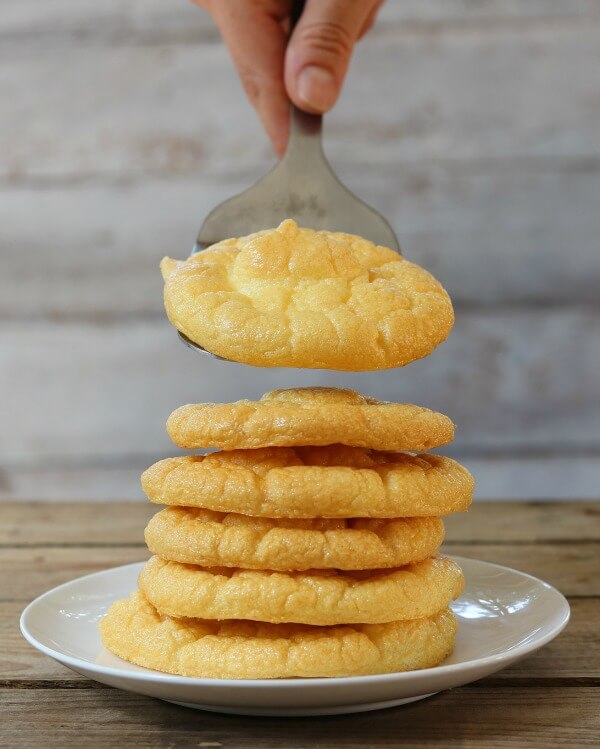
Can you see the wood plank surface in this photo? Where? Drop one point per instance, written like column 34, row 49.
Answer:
column 522, row 718
column 525, row 522
column 550, row 696
column 34, row 524
column 25, row 573
column 538, row 541
column 570, row 567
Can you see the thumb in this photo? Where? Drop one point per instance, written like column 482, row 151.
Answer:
column 319, row 50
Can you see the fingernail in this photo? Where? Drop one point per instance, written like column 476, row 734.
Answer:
column 317, row 88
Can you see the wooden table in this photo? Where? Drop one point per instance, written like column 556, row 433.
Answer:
column 552, row 697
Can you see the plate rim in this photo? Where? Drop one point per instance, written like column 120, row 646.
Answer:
column 177, row 680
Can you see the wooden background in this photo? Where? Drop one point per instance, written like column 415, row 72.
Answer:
column 474, row 125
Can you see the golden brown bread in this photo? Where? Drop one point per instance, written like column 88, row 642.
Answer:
column 323, row 597
column 292, row 297
column 309, row 416
column 215, row 539
column 334, row 481
column 135, row 631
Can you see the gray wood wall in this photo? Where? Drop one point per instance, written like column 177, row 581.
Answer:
column 474, row 125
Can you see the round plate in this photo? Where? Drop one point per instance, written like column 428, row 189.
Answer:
column 503, row 615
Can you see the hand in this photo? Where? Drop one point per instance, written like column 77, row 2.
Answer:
column 309, row 69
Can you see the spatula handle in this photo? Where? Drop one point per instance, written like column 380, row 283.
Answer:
column 305, row 128
column 295, row 12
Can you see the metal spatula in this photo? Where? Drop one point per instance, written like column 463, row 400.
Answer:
column 302, row 186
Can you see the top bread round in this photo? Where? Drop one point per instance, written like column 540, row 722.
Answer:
column 309, row 416
column 292, row 297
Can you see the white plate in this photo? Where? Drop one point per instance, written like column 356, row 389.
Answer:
column 503, row 615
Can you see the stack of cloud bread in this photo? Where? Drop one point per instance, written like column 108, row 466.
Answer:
column 306, row 546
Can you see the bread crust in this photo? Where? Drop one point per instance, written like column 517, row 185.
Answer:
column 333, row 481
column 322, row 597
column 294, row 297
column 309, row 416
column 135, row 631
column 214, row 539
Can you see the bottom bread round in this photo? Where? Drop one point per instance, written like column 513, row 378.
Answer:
column 135, row 631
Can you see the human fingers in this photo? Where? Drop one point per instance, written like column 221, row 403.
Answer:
column 254, row 34
column 320, row 48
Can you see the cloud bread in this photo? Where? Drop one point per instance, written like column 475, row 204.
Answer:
column 335, row 481
column 215, row 539
column 292, row 297
column 309, row 416
column 323, row 597
column 135, row 631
